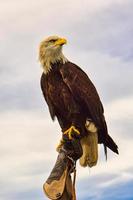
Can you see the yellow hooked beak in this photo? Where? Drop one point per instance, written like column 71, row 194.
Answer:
column 61, row 41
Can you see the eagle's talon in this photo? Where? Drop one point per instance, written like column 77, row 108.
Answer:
column 71, row 131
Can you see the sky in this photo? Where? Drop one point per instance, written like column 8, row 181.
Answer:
column 100, row 41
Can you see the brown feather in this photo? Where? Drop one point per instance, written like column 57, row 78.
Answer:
column 72, row 98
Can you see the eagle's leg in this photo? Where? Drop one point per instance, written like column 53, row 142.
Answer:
column 71, row 132
column 89, row 145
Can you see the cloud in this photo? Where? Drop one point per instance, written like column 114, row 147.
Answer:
column 26, row 150
column 26, row 95
column 120, row 191
column 108, row 31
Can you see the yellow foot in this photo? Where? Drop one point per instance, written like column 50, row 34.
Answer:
column 71, row 131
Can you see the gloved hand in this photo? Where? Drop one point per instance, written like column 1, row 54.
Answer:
column 59, row 184
column 72, row 148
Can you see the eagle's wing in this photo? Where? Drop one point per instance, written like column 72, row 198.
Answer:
column 43, row 84
column 85, row 93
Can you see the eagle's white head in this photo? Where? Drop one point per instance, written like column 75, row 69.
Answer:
column 50, row 52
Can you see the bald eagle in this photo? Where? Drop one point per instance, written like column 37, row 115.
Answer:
column 73, row 99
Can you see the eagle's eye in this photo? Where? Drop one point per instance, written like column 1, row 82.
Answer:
column 53, row 40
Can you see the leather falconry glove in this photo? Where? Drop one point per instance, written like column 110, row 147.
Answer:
column 59, row 183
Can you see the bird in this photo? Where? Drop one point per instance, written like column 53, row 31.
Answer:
column 73, row 99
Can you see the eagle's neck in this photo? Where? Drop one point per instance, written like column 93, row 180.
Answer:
column 48, row 60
